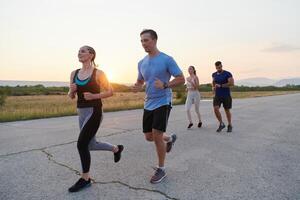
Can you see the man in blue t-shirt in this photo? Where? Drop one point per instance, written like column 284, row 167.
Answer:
column 155, row 70
column 222, row 81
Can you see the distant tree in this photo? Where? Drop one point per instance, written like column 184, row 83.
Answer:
column 180, row 90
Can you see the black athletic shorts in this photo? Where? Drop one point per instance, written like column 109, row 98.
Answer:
column 226, row 101
column 156, row 119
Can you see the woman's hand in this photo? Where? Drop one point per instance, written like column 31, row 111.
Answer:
column 73, row 88
column 89, row 96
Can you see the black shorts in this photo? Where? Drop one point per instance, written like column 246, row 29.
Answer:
column 226, row 101
column 156, row 119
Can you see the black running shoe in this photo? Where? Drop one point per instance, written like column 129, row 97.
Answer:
column 117, row 155
column 229, row 128
column 222, row 125
column 80, row 184
column 190, row 125
column 170, row 144
column 199, row 124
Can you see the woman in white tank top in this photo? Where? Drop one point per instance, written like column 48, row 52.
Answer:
column 193, row 96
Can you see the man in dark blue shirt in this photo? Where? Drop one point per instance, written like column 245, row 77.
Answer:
column 222, row 81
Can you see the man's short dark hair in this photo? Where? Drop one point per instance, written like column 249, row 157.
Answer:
column 218, row 63
column 151, row 32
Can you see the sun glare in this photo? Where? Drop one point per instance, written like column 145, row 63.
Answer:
column 110, row 75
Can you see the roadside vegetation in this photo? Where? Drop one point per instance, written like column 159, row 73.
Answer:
column 33, row 102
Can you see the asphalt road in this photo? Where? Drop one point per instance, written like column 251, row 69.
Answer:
column 259, row 160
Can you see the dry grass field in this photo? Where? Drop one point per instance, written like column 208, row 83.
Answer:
column 43, row 106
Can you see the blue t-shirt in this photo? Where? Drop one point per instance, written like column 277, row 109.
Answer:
column 222, row 78
column 161, row 67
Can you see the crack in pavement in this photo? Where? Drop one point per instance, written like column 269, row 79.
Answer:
column 62, row 144
column 134, row 188
column 37, row 149
column 56, row 145
column 50, row 157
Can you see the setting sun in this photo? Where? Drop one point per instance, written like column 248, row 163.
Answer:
column 109, row 74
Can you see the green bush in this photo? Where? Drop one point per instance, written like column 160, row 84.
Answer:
column 181, row 95
column 2, row 98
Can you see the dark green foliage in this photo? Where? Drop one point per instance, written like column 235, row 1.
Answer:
column 180, row 90
column 2, row 98
column 207, row 88
column 33, row 90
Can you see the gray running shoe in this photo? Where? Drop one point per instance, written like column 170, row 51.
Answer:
column 170, row 144
column 158, row 176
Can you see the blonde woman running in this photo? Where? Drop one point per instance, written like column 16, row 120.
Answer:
column 91, row 86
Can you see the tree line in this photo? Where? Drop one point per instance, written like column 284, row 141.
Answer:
column 42, row 90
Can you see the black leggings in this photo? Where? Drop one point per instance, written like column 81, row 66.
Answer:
column 86, row 134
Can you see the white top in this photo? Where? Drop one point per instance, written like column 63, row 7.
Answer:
column 189, row 83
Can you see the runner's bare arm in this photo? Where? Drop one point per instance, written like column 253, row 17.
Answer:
column 196, row 83
column 178, row 80
column 106, row 88
column 213, row 88
column 229, row 84
column 72, row 86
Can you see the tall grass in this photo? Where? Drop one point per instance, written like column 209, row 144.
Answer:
column 43, row 106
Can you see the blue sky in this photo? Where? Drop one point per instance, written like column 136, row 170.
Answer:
column 39, row 39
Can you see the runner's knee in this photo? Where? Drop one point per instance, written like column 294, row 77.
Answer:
column 216, row 108
column 157, row 135
column 149, row 137
column 227, row 110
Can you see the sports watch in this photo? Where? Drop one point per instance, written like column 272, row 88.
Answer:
column 166, row 85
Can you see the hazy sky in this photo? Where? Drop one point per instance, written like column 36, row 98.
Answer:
column 39, row 39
